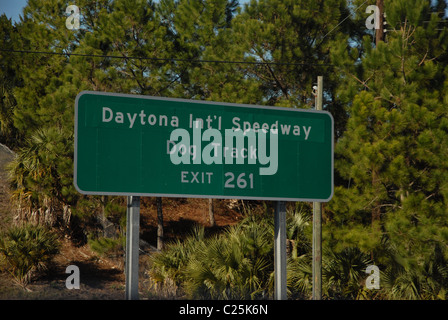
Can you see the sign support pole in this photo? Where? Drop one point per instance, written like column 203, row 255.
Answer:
column 317, row 222
column 132, row 247
column 280, row 251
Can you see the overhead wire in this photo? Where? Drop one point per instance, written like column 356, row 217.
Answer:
column 167, row 59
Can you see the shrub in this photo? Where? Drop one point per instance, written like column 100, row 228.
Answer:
column 233, row 265
column 166, row 269
column 107, row 247
column 25, row 249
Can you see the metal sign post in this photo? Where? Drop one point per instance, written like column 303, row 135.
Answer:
column 132, row 247
column 317, row 223
column 199, row 149
column 280, row 251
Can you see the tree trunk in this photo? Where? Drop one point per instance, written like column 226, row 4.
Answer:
column 376, row 210
column 159, row 224
column 108, row 227
column 211, row 212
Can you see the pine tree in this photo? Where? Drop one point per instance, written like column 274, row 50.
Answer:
column 203, row 37
column 295, row 37
column 42, row 29
column 8, row 80
column 393, row 155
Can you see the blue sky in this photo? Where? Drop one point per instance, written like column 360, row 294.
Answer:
column 12, row 8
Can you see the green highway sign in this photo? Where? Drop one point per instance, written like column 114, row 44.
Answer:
column 150, row 146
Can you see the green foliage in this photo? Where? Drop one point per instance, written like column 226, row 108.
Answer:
column 106, row 246
column 389, row 157
column 8, row 80
column 41, row 173
column 238, row 264
column 388, row 100
column 234, row 265
column 115, row 211
column 344, row 272
column 25, row 249
column 415, row 279
column 166, row 269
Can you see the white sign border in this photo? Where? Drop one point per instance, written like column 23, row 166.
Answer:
column 124, row 95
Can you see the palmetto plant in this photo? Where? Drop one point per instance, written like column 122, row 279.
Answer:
column 408, row 279
column 298, row 231
column 166, row 269
column 25, row 249
column 343, row 273
column 42, row 169
column 299, row 276
column 236, row 265
column 41, row 177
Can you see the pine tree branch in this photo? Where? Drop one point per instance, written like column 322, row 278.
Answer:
column 285, row 92
column 364, row 83
column 424, row 57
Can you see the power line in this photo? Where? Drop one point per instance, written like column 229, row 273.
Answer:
column 356, row 9
column 168, row 59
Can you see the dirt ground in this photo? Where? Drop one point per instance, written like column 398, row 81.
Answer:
column 99, row 278
column 103, row 278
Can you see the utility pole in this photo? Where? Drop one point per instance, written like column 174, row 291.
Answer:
column 317, row 221
column 379, row 34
